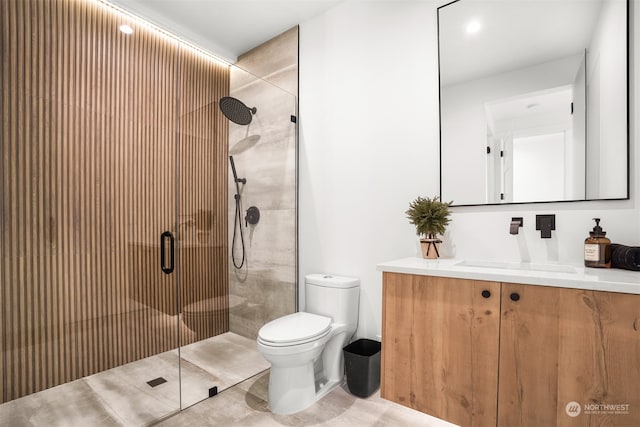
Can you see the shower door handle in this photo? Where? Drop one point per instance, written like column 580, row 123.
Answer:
column 163, row 255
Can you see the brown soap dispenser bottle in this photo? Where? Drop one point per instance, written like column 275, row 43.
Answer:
column 597, row 248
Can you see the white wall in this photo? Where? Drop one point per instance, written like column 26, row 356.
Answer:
column 369, row 145
column 368, row 139
column 607, row 102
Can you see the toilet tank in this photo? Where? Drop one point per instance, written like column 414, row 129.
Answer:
column 337, row 297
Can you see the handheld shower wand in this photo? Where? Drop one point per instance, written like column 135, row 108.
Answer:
column 237, row 221
column 235, row 175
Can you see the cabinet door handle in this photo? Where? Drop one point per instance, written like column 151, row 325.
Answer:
column 486, row 293
column 514, row 296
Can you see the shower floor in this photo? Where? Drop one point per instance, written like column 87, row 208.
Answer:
column 121, row 396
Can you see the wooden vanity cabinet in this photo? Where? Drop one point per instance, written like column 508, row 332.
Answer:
column 515, row 358
column 440, row 346
column 559, row 346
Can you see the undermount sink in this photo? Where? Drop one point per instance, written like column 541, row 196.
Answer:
column 521, row 266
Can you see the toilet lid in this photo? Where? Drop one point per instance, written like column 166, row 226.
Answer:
column 294, row 327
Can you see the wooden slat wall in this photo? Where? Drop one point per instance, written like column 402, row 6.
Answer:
column 99, row 132
column 202, row 192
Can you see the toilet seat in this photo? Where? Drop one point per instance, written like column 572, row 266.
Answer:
column 294, row 329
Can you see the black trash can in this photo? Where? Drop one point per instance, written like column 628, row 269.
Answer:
column 362, row 366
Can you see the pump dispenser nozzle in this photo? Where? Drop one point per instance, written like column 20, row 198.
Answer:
column 597, row 230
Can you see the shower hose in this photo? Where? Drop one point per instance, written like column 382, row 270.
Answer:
column 237, row 224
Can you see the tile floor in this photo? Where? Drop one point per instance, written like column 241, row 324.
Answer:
column 121, row 397
column 246, row 405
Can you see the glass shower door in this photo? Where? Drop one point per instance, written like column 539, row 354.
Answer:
column 222, row 308
column 201, row 216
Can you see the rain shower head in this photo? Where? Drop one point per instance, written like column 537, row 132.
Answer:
column 235, row 110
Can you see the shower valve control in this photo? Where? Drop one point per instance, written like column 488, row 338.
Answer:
column 252, row 217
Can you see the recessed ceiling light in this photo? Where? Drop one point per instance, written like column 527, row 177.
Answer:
column 126, row 29
column 473, row 27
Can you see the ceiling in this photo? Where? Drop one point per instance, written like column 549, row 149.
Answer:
column 539, row 110
column 226, row 28
column 514, row 34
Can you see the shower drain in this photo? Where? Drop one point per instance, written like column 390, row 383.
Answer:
column 156, row 382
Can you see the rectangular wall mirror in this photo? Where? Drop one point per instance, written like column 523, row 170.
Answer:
column 533, row 101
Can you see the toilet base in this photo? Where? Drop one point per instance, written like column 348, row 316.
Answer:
column 292, row 390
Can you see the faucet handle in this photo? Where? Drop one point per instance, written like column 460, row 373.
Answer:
column 545, row 223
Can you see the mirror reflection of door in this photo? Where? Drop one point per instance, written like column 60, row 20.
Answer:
column 537, row 147
column 538, row 162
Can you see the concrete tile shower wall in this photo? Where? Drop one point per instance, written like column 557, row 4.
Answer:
column 264, row 288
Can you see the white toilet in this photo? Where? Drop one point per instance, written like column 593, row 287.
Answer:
column 293, row 344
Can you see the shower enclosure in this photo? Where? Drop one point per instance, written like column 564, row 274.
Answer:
column 114, row 242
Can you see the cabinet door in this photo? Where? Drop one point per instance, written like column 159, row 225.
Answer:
column 567, row 353
column 529, row 336
column 440, row 346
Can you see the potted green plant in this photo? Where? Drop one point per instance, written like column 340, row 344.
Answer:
column 431, row 217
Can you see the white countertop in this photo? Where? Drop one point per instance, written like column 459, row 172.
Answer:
column 598, row 279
